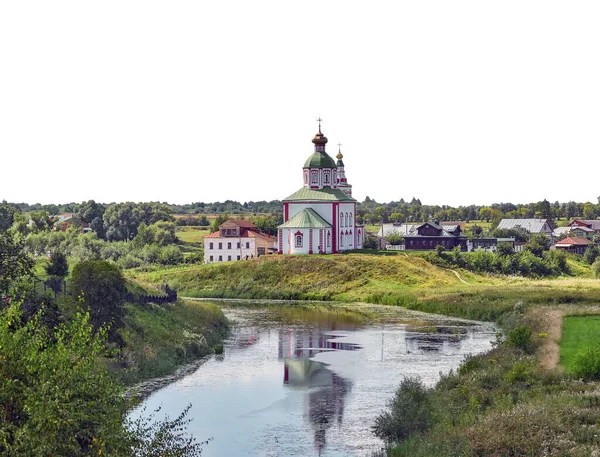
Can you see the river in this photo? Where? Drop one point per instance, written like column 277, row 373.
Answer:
column 307, row 381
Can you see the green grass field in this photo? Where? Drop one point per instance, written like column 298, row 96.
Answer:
column 578, row 332
column 192, row 239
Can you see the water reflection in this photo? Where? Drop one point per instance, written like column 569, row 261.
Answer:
column 326, row 391
column 310, row 382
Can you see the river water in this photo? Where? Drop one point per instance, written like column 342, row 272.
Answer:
column 308, row 381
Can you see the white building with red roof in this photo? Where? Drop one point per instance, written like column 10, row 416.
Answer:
column 320, row 218
column 237, row 240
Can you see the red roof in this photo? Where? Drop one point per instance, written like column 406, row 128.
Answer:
column 239, row 223
column 573, row 241
column 213, row 235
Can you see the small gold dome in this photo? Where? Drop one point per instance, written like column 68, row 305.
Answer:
column 339, row 156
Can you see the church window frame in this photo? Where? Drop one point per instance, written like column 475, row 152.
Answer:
column 299, row 239
column 328, row 239
column 341, row 219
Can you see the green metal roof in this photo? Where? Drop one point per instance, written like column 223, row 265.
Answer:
column 326, row 194
column 307, row 218
column 319, row 160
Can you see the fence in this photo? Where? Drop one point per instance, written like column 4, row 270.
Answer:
column 169, row 297
column 391, row 247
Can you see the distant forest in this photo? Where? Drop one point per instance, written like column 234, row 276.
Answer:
column 368, row 211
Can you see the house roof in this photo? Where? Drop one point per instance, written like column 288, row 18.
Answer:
column 531, row 225
column 582, row 228
column 320, row 160
column 307, row 218
column 433, row 224
column 573, row 241
column 213, row 235
column 561, row 230
column 594, row 224
column 326, row 194
column 400, row 229
column 239, row 223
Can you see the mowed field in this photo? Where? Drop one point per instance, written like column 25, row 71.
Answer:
column 578, row 332
column 192, row 238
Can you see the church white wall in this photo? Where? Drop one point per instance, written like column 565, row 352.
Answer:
column 289, row 241
column 347, row 223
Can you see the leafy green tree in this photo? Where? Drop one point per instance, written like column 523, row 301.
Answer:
column 7, row 213
column 591, row 253
column 57, row 398
column 538, row 244
column 90, row 210
column 14, row 262
column 395, row 239
column 410, row 413
column 57, row 269
column 39, row 221
column 220, row 219
column 97, row 225
column 267, row 224
column 103, row 287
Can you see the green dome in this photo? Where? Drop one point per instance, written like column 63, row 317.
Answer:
column 319, row 160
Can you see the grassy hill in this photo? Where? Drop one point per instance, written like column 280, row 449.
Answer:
column 408, row 281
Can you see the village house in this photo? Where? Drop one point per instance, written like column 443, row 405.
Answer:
column 533, row 226
column 431, row 234
column 237, row 240
column 574, row 244
column 320, row 218
column 586, row 228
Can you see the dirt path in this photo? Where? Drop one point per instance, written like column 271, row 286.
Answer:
column 457, row 275
column 552, row 319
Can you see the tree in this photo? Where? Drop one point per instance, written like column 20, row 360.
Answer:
column 485, row 213
column 57, row 398
column 395, row 239
column 14, row 263
column 410, row 413
column 57, row 270
column 103, row 287
column 538, row 244
column 97, row 225
column 591, row 253
column 7, row 213
column 267, row 224
column 220, row 219
column 90, row 210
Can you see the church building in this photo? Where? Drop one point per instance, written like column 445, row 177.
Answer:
column 320, row 218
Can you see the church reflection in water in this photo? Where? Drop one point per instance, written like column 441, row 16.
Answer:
column 325, row 391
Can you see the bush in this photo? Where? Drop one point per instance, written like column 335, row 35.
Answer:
column 596, row 268
column 410, row 412
column 370, row 242
column 103, row 287
column 170, row 255
column 586, row 364
column 520, row 337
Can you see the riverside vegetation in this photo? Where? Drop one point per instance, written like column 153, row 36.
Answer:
column 63, row 363
column 503, row 403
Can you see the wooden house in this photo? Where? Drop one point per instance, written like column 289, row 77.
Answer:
column 431, row 234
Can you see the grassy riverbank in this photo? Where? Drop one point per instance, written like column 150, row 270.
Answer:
column 408, row 281
column 159, row 338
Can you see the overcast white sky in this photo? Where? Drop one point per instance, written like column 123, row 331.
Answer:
column 452, row 102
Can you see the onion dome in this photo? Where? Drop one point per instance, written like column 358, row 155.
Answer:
column 319, row 138
column 339, row 156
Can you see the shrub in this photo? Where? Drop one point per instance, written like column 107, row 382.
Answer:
column 170, row 255
column 370, row 242
column 410, row 412
column 596, row 268
column 586, row 364
column 520, row 337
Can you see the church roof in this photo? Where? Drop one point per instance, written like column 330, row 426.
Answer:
column 319, row 160
column 326, row 194
column 307, row 218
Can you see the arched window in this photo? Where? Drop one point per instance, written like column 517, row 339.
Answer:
column 342, row 239
column 298, row 238
column 351, row 221
column 315, row 177
column 341, row 219
column 328, row 239
column 346, row 219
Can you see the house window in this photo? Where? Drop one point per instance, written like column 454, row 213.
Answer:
column 210, row 259
column 228, row 257
column 299, row 241
column 261, row 251
column 220, row 245
column 238, row 245
column 210, row 246
column 247, row 245
column 238, row 257
column 220, row 258
column 228, row 245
